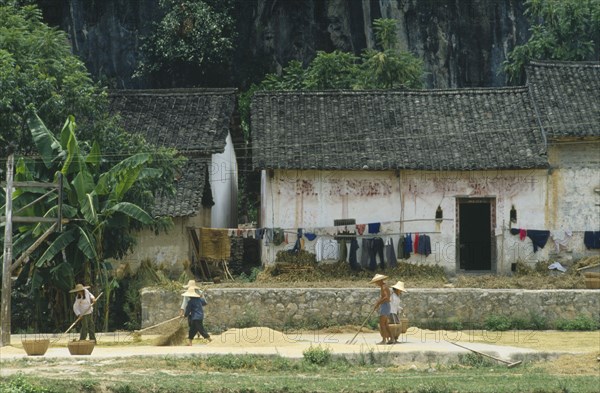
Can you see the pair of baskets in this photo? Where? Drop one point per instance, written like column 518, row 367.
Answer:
column 399, row 328
column 38, row 347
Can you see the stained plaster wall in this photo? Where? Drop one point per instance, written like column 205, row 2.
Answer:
column 167, row 250
column 306, row 199
column 309, row 199
column 223, row 183
column 573, row 202
column 423, row 192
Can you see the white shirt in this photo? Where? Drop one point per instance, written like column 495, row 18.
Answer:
column 395, row 306
column 84, row 305
column 326, row 249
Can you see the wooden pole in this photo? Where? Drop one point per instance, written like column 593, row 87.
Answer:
column 5, row 314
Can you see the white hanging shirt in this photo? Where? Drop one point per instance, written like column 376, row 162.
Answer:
column 326, row 249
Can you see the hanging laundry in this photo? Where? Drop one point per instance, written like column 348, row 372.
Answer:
column 310, row 236
column 390, row 253
column 269, row 233
column 376, row 250
column 401, row 247
column 352, row 258
column 561, row 238
column 538, row 238
column 591, row 239
column 374, row 227
column 326, row 248
column 408, row 244
column 424, row 245
column 343, row 250
column 360, row 228
column 260, row 233
column 416, row 244
column 298, row 244
column 514, row 231
column 365, row 252
column 523, row 234
column 278, row 236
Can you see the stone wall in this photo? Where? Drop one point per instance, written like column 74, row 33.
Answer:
column 286, row 307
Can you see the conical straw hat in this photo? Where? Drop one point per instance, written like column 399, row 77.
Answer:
column 378, row 277
column 399, row 286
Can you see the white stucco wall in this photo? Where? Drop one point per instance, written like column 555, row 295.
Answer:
column 308, row 199
column 407, row 199
column 223, row 176
column 573, row 203
column 167, row 250
column 423, row 192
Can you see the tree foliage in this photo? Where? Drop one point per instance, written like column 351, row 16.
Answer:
column 193, row 37
column 39, row 73
column 561, row 30
column 96, row 203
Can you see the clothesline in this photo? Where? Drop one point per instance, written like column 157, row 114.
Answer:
column 374, row 235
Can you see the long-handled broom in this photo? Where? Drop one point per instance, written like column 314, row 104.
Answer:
column 351, row 341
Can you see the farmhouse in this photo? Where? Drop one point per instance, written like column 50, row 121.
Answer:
column 201, row 125
column 457, row 171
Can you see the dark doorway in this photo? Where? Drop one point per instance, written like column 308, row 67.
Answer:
column 475, row 234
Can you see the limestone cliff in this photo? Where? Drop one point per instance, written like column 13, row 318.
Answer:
column 462, row 42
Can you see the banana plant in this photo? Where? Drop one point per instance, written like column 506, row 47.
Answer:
column 94, row 202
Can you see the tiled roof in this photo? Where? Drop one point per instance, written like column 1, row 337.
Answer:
column 191, row 120
column 465, row 129
column 194, row 121
column 188, row 191
column 567, row 97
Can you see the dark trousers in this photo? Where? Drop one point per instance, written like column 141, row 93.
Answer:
column 353, row 261
column 87, row 327
column 376, row 250
column 197, row 325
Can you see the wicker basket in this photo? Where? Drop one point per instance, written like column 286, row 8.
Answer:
column 35, row 347
column 399, row 328
column 591, row 275
column 81, row 347
column 592, row 282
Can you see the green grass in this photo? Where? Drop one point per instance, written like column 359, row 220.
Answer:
column 252, row 373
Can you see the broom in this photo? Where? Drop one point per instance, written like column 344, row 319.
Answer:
column 175, row 337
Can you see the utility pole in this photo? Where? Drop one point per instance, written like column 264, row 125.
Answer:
column 5, row 314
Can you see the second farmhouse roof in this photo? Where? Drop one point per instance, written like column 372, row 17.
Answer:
column 567, row 97
column 466, row 129
column 194, row 121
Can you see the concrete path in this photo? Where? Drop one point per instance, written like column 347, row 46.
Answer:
column 416, row 346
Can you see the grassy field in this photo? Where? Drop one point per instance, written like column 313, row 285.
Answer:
column 248, row 373
column 320, row 371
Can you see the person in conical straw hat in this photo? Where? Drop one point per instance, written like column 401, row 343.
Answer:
column 194, row 311
column 186, row 299
column 395, row 304
column 83, row 306
column 383, row 304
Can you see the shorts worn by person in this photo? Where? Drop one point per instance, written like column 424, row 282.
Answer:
column 383, row 304
column 194, row 311
column 83, row 306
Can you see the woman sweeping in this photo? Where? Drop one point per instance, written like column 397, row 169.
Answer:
column 83, row 306
column 194, row 312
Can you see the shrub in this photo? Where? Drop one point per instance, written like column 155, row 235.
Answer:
column 317, row 355
column 581, row 322
column 497, row 323
column 474, row 360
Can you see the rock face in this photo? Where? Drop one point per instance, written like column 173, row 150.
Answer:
column 463, row 43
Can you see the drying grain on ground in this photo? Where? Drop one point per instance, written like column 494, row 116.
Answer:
column 253, row 337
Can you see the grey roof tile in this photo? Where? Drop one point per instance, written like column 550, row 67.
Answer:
column 429, row 129
column 567, row 97
column 194, row 121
